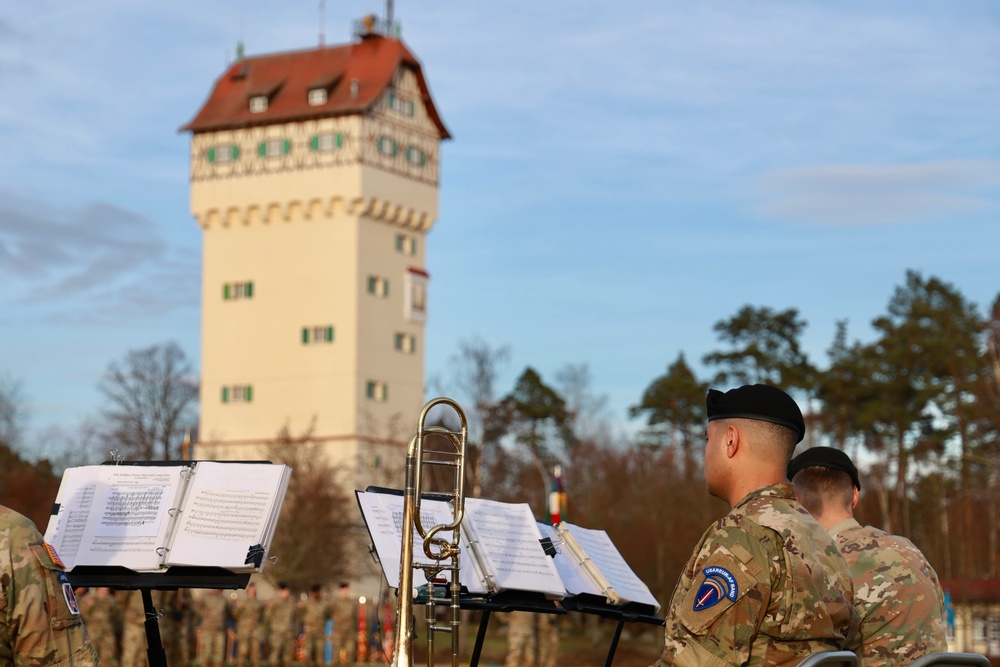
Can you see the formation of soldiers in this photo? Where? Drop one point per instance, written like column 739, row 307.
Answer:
column 216, row 630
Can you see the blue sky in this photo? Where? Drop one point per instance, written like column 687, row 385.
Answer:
column 622, row 175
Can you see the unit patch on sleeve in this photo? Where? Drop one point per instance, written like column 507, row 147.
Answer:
column 718, row 585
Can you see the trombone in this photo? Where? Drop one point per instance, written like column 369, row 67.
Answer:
column 440, row 542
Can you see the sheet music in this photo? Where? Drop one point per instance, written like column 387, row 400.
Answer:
column 227, row 509
column 126, row 512
column 383, row 512
column 75, row 498
column 510, row 539
column 572, row 575
column 603, row 553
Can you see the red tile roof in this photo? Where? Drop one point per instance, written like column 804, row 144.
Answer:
column 286, row 79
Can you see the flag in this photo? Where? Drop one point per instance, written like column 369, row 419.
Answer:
column 557, row 499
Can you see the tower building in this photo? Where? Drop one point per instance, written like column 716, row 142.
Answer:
column 314, row 180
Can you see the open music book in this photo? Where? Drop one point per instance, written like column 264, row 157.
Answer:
column 590, row 564
column 499, row 542
column 151, row 517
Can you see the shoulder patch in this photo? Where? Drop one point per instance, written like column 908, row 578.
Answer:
column 54, row 556
column 718, row 585
column 68, row 594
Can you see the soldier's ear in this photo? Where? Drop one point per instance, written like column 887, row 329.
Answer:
column 854, row 497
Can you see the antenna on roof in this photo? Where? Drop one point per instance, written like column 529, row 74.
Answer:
column 322, row 22
column 388, row 13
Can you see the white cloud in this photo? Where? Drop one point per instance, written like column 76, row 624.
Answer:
column 880, row 194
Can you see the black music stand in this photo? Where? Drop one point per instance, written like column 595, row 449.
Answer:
column 173, row 578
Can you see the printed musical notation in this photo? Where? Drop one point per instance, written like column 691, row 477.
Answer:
column 147, row 517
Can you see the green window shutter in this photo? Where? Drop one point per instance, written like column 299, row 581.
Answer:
column 248, row 393
column 225, row 291
column 385, row 288
column 236, row 152
column 371, row 284
column 392, row 100
column 262, row 149
column 225, row 394
column 305, row 335
column 399, row 242
column 398, row 341
column 314, row 142
column 370, row 389
column 286, row 147
column 249, row 290
column 340, row 140
column 329, row 334
column 211, row 154
column 385, row 392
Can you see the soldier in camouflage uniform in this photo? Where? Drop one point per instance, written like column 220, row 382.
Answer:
column 766, row 585
column 212, row 614
column 896, row 590
column 40, row 622
column 102, row 613
column 248, row 613
column 520, row 639
column 281, row 628
column 345, row 626
column 315, row 611
column 133, row 652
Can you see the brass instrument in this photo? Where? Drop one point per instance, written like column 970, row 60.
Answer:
column 441, row 542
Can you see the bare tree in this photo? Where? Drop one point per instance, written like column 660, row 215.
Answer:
column 151, row 396
column 315, row 532
column 13, row 411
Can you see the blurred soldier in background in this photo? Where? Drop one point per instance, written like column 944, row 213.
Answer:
column 896, row 590
column 281, row 628
column 345, row 625
column 249, row 615
column 212, row 614
column 315, row 611
column 102, row 613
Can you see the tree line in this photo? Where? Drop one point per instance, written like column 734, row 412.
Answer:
column 918, row 407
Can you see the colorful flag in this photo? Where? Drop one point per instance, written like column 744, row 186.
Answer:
column 557, row 499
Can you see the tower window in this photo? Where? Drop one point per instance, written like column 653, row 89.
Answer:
column 223, row 153
column 406, row 244
column 376, row 391
column 237, row 393
column 314, row 335
column 405, row 342
column 401, row 105
column 232, row 291
column 378, row 286
column 274, row 148
column 416, row 155
column 317, row 96
column 415, row 295
column 387, row 145
column 258, row 103
column 330, row 141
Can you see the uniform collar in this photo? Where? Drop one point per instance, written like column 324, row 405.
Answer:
column 783, row 490
column 843, row 526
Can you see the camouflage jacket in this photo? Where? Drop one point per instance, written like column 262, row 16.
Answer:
column 766, row 585
column 897, row 593
column 40, row 623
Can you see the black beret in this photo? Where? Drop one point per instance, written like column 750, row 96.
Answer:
column 756, row 401
column 824, row 457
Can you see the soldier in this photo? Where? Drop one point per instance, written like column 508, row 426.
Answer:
column 281, row 627
column 766, row 585
column 212, row 614
column 520, row 639
column 548, row 639
column 40, row 622
column 249, row 615
column 345, row 626
column 134, row 631
column 102, row 613
column 315, row 611
column 896, row 590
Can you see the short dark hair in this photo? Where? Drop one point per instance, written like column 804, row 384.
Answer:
column 820, row 489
